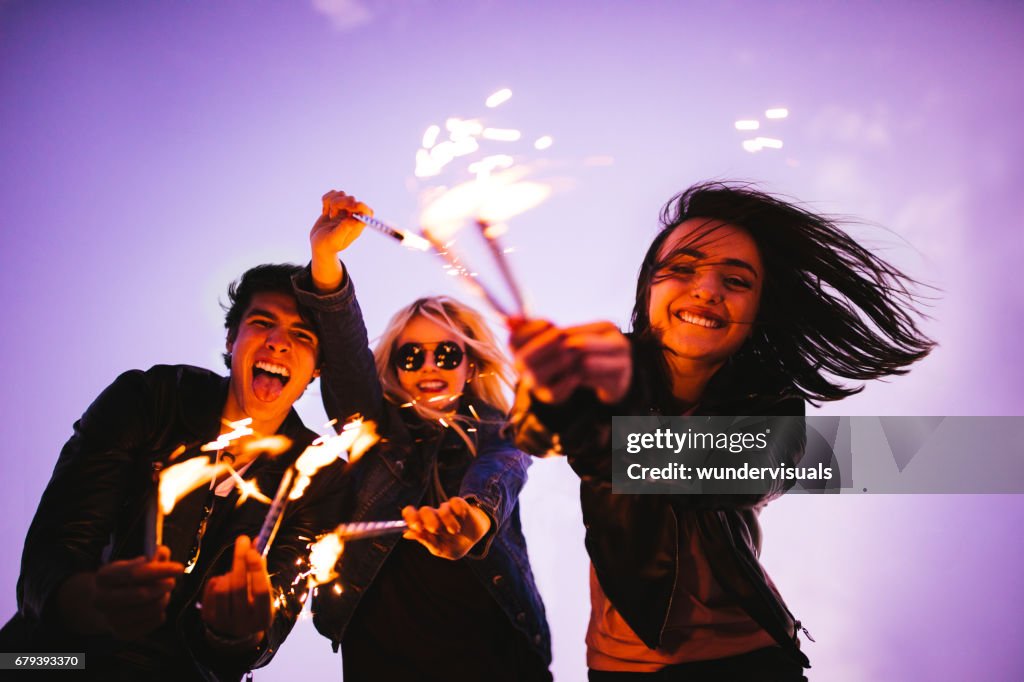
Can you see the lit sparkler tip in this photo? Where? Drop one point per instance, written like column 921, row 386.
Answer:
column 414, row 241
column 498, row 98
column 407, row 238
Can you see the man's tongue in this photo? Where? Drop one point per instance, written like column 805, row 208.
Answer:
column 267, row 387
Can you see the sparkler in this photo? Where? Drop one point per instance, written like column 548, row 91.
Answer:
column 497, row 191
column 410, row 239
column 239, row 429
column 356, row 437
column 327, row 550
column 175, row 482
column 491, row 235
column 347, row 532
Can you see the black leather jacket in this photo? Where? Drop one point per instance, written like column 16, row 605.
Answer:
column 94, row 510
column 634, row 540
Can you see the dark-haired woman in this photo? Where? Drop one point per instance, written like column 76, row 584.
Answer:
column 745, row 305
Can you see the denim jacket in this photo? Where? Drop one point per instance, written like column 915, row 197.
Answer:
column 400, row 470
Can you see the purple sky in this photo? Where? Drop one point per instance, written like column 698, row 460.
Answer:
column 153, row 151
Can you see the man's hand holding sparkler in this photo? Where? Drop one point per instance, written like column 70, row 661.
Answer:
column 332, row 233
column 448, row 531
column 237, row 606
column 553, row 362
column 127, row 599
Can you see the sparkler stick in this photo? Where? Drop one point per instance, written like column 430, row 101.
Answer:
column 410, row 239
column 494, row 244
column 356, row 437
column 272, row 520
column 427, row 240
column 369, row 529
column 474, row 283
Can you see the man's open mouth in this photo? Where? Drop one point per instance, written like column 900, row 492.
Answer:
column 269, row 379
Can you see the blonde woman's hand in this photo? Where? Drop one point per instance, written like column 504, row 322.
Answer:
column 333, row 232
column 448, row 531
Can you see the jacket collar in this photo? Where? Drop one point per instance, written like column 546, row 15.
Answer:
column 203, row 395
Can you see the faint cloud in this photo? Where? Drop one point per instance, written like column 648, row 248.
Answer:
column 852, row 126
column 345, row 15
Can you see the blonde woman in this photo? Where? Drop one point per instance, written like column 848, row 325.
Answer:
column 460, row 602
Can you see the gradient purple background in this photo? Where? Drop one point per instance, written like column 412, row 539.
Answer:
column 150, row 153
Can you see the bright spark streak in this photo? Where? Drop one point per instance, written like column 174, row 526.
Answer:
column 498, row 98
column 271, row 445
column 355, row 438
column 459, row 128
column 430, row 136
column 246, row 488
column 485, row 165
column 502, row 134
column 239, row 429
column 543, row 142
column 769, row 142
column 747, row 125
column 752, row 146
column 781, row 112
column 179, row 480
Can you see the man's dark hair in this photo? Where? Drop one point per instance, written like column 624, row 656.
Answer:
column 269, row 277
column 829, row 307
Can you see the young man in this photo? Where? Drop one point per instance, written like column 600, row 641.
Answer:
column 87, row 584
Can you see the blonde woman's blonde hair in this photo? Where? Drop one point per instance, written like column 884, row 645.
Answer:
column 490, row 374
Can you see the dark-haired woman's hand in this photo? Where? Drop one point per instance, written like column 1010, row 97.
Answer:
column 543, row 360
column 555, row 361
column 332, row 233
column 605, row 359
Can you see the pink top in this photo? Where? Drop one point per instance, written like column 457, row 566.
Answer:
column 704, row 622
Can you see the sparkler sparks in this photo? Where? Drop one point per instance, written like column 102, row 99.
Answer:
column 498, row 98
column 323, row 557
column 175, row 482
column 356, row 438
column 239, row 429
column 497, row 191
